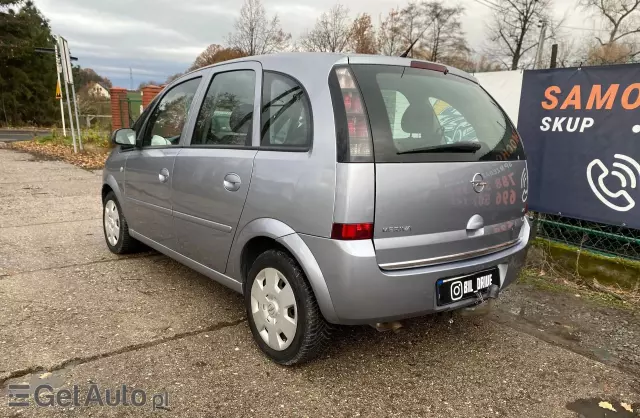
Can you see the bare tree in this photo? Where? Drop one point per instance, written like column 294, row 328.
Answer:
column 414, row 23
column 570, row 52
column 515, row 29
column 622, row 18
column 330, row 33
column 213, row 54
column 435, row 27
column 445, row 37
column 255, row 34
column 363, row 35
column 390, row 39
column 610, row 53
column 484, row 64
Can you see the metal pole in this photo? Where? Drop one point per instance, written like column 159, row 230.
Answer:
column 543, row 33
column 73, row 131
column 58, row 69
column 554, row 56
column 66, row 68
column 64, row 127
column 75, row 104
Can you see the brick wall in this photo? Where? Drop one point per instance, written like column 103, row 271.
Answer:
column 119, row 108
column 148, row 93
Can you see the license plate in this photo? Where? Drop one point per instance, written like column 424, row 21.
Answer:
column 460, row 288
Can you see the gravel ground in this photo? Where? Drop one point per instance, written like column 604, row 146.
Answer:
column 74, row 314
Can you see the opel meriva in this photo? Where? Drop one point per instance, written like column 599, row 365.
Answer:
column 327, row 188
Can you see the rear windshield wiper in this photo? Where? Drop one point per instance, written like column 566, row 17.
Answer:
column 462, row 147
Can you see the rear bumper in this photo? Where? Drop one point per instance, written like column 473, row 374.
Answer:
column 362, row 293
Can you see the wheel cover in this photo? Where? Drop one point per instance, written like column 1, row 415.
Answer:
column 274, row 309
column 112, row 222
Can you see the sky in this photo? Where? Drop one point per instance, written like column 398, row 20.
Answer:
column 158, row 38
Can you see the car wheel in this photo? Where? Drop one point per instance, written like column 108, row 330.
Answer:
column 283, row 314
column 116, row 230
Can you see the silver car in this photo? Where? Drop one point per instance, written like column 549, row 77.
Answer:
column 327, row 188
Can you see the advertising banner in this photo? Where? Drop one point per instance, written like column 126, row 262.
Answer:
column 581, row 131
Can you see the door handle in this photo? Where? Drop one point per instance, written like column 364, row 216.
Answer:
column 164, row 175
column 232, row 182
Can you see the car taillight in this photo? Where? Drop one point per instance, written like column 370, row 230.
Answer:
column 352, row 231
column 359, row 139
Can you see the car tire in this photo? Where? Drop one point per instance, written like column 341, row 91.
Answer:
column 273, row 280
column 115, row 227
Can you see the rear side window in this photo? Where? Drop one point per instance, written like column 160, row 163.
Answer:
column 286, row 120
column 226, row 115
column 413, row 110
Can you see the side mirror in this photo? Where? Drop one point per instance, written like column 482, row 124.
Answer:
column 124, row 136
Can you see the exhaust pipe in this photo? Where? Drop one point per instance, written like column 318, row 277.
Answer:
column 394, row 326
column 494, row 290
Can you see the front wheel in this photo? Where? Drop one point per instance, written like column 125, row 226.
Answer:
column 116, row 229
column 283, row 314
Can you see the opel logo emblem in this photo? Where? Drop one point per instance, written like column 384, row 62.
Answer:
column 478, row 183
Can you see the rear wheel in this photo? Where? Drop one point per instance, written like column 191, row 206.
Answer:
column 116, row 229
column 283, row 314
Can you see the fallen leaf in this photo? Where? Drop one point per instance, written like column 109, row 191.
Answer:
column 626, row 406
column 45, row 375
column 88, row 159
column 607, row 405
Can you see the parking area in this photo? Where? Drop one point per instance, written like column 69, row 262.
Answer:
column 72, row 313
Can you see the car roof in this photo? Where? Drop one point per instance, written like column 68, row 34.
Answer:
column 305, row 65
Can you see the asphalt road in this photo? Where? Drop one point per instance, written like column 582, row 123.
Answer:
column 72, row 313
column 13, row 135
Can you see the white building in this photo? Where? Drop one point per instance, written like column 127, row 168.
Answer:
column 98, row 90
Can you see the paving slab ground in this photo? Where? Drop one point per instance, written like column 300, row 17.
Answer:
column 71, row 313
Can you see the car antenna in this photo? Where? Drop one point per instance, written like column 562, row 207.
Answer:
column 406, row 53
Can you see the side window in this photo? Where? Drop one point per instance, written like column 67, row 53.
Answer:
column 169, row 117
column 396, row 105
column 454, row 125
column 226, row 115
column 285, row 113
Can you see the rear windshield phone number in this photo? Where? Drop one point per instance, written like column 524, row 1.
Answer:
column 504, row 195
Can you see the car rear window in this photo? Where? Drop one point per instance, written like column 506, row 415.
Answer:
column 413, row 110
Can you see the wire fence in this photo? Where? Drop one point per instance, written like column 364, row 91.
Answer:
column 608, row 239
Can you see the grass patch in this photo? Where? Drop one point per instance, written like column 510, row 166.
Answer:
column 543, row 272
column 92, row 137
column 615, row 272
column 556, row 285
column 553, row 245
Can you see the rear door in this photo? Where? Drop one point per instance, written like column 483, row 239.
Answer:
column 451, row 179
column 212, row 175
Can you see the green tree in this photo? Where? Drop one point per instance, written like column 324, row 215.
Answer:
column 27, row 78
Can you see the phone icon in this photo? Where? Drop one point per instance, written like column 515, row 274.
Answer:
column 607, row 196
